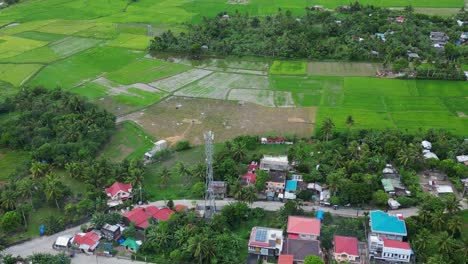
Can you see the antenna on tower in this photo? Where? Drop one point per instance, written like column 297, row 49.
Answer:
column 210, row 206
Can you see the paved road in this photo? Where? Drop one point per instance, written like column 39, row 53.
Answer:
column 275, row 206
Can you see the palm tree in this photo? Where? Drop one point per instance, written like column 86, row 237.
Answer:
column 183, row 171
column 39, row 169
column 445, row 243
column 26, row 189
column 438, row 220
column 74, row 169
column 425, row 216
column 135, row 176
column 53, row 188
column 250, row 194
column 237, row 191
column 349, row 122
column 201, row 248
column 199, row 171
column 8, row 199
column 454, row 225
column 327, row 128
column 238, row 151
column 452, row 204
column 403, row 157
column 422, row 242
column 165, row 176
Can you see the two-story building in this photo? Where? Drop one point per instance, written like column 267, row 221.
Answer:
column 346, row 249
column 266, row 241
column 393, row 251
column 277, row 181
column 389, row 226
column 111, row 232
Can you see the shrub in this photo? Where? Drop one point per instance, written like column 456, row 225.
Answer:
column 10, row 221
column 406, row 201
column 182, row 145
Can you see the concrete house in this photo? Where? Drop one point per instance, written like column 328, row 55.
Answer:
column 278, row 163
column 111, row 232
column 119, row 191
column 303, row 228
column 439, row 39
column 389, row 250
column 277, row 182
column 87, row 242
column 266, row 241
column 219, row 189
column 389, row 226
column 346, row 249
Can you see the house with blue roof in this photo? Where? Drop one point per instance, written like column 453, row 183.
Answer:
column 389, row 226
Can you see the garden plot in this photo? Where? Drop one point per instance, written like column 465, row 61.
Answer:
column 71, row 45
column 11, row 46
column 342, row 68
column 17, row 74
column 235, row 63
column 131, row 41
column 283, row 99
column 180, row 80
column 116, row 88
column 260, row 97
column 17, row 28
column 219, row 84
column 288, row 68
column 66, row 27
column 241, row 71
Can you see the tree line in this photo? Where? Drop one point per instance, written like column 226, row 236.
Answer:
column 347, row 34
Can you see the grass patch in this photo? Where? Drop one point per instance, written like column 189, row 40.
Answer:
column 90, row 90
column 66, row 27
column 99, row 31
column 41, row 36
column 9, row 160
column 86, row 65
column 288, row 68
column 40, row 55
column 142, row 98
column 145, row 71
column 129, row 141
column 71, row 45
column 464, row 216
column 16, row 74
column 131, row 41
column 12, row 46
column 342, row 68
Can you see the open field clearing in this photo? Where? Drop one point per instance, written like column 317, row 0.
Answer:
column 283, row 99
column 71, row 45
column 9, row 160
column 342, row 68
column 217, row 85
column 22, row 27
column 40, row 55
column 84, row 66
column 16, row 74
column 12, row 46
column 66, row 27
column 178, row 81
column 289, row 68
column 99, row 31
column 145, row 71
column 261, row 97
column 131, row 41
column 195, row 115
column 129, row 141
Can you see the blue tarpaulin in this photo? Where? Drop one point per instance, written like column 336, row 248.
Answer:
column 320, row 215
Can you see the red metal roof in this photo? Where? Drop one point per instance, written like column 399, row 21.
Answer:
column 90, row 239
column 285, row 259
column 293, row 236
column 138, row 216
column 117, row 186
column 252, row 167
column 250, row 177
column 180, row 208
column 303, row 225
column 396, row 244
column 348, row 245
column 163, row 214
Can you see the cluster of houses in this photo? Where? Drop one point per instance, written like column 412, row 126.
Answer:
column 141, row 217
column 385, row 241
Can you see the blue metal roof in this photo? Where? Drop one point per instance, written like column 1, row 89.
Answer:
column 291, row 185
column 384, row 223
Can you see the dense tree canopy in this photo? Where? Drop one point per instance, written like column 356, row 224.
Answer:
column 358, row 33
column 56, row 126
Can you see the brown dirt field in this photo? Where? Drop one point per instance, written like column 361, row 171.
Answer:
column 2, row 155
column 227, row 119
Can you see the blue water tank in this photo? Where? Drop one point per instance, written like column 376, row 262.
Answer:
column 41, row 230
column 320, row 215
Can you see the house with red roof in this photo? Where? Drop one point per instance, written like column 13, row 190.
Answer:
column 400, row 19
column 249, row 179
column 119, row 191
column 141, row 216
column 304, row 228
column 181, row 208
column 87, row 242
column 286, row 259
column 266, row 241
column 252, row 167
column 346, row 249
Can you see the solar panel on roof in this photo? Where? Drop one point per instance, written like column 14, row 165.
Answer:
column 261, row 235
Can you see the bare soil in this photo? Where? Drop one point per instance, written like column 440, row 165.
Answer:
column 183, row 118
column 2, row 155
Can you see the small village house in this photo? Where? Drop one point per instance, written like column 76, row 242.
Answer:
column 111, row 232
column 277, row 163
column 346, row 249
column 219, row 189
column 462, row 159
column 131, row 244
column 87, row 242
column 276, row 183
column 300, row 249
column 439, row 39
column 381, row 248
column 141, row 216
column 118, row 192
column 265, row 241
column 63, row 242
column 303, row 228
